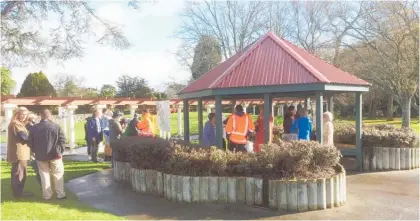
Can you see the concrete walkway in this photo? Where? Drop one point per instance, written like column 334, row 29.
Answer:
column 370, row 196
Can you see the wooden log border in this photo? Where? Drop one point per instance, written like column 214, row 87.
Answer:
column 284, row 195
column 384, row 159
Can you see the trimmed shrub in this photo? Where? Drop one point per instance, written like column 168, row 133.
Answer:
column 149, row 153
column 381, row 135
column 297, row 159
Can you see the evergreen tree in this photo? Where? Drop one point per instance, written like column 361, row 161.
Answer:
column 7, row 82
column 36, row 84
column 108, row 90
column 207, row 55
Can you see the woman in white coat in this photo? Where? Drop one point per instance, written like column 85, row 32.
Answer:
column 328, row 129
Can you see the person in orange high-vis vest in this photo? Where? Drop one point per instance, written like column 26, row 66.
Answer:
column 238, row 127
column 146, row 124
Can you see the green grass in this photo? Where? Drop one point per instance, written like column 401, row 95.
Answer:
column 396, row 122
column 35, row 208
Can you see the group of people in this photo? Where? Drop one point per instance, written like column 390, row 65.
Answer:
column 301, row 124
column 239, row 127
column 110, row 126
column 41, row 144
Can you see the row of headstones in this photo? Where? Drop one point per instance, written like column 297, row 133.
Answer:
column 289, row 196
column 382, row 158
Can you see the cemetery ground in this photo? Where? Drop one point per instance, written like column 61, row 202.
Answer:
column 36, row 208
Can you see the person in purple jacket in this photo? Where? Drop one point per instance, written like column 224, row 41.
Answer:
column 209, row 133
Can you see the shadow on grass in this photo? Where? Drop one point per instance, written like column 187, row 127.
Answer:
column 35, row 207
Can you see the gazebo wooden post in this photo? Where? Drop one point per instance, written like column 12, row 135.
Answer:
column 330, row 104
column 319, row 112
column 179, row 112
column 267, row 114
column 219, row 127
column 186, row 120
column 233, row 105
column 307, row 103
column 200, row 119
column 359, row 151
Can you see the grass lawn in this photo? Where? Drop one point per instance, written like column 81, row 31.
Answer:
column 396, row 122
column 35, row 208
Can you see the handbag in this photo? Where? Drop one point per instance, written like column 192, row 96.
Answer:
column 249, row 147
column 108, row 150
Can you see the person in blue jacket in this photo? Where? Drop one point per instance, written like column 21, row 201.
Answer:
column 302, row 126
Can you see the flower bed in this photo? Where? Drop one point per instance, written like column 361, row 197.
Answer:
column 189, row 174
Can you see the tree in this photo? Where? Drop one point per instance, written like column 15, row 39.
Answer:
column 390, row 34
column 88, row 92
column 132, row 87
column 234, row 24
column 107, row 90
column 23, row 40
column 157, row 95
column 36, row 84
column 206, row 56
column 7, row 82
column 68, row 85
column 173, row 87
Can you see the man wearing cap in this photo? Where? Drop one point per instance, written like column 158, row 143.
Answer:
column 115, row 131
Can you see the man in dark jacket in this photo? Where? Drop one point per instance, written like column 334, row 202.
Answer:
column 31, row 123
column 94, row 134
column 47, row 141
column 132, row 126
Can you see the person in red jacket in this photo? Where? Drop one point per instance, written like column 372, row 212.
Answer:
column 259, row 136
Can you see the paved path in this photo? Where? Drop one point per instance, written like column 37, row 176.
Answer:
column 385, row 195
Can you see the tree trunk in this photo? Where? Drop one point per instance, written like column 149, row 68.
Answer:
column 390, row 109
column 406, row 110
column 370, row 107
column 373, row 110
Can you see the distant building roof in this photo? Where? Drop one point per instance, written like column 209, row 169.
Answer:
column 272, row 61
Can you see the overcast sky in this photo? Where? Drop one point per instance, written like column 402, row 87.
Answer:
column 150, row 30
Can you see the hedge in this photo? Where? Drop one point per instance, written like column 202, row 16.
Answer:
column 380, row 135
column 293, row 160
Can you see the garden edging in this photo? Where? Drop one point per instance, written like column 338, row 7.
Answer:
column 384, row 158
column 291, row 196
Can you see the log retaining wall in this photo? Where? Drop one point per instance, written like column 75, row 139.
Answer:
column 383, row 158
column 291, row 196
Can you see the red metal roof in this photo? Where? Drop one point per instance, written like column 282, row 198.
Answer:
column 272, row 61
column 62, row 101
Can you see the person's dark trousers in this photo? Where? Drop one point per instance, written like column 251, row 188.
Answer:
column 236, row 147
column 36, row 170
column 18, row 177
column 224, row 144
column 94, row 151
column 89, row 147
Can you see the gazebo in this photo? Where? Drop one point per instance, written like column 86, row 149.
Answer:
column 269, row 68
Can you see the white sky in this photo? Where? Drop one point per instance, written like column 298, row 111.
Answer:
column 149, row 30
